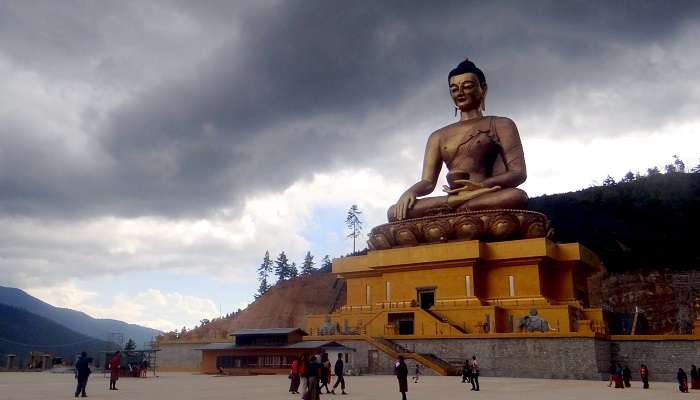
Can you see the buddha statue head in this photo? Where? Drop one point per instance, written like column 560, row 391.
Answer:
column 468, row 87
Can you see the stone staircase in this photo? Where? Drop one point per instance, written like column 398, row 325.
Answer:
column 393, row 350
column 445, row 320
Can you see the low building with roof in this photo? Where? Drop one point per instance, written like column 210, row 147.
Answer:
column 266, row 351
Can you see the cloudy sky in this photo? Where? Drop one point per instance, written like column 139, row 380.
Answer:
column 152, row 151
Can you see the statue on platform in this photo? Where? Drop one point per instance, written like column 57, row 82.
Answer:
column 483, row 155
column 533, row 323
column 328, row 328
column 485, row 163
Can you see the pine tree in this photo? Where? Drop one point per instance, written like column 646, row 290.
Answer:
column 307, row 267
column 293, row 272
column 653, row 171
column 264, row 271
column 130, row 345
column 678, row 164
column 608, row 181
column 353, row 222
column 262, row 289
column 326, row 263
column 282, row 267
column 629, row 177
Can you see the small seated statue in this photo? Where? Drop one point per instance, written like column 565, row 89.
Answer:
column 533, row 323
column 483, row 155
column 328, row 327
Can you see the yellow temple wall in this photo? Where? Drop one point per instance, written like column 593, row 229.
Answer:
column 558, row 281
column 493, row 281
column 547, row 276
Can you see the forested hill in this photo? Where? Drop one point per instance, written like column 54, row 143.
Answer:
column 22, row 332
column 650, row 222
column 80, row 322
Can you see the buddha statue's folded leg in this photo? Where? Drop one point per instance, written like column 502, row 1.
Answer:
column 508, row 198
column 423, row 207
column 512, row 198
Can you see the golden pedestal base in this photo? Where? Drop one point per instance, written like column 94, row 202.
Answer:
column 467, row 288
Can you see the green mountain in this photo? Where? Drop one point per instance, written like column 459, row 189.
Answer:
column 76, row 320
column 650, row 222
column 22, row 332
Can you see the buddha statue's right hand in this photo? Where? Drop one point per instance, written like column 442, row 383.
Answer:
column 405, row 203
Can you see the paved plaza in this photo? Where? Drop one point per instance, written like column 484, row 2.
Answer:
column 185, row 386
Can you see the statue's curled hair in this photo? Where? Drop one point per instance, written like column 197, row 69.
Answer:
column 466, row 67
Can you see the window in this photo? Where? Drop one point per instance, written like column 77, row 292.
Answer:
column 468, row 285
column 368, row 295
column 388, row 291
column 511, row 285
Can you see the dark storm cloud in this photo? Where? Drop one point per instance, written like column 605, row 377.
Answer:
column 299, row 87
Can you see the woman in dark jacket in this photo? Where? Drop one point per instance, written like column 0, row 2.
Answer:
column 682, row 380
column 401, row 371
column 694, row 377
column 644, row 374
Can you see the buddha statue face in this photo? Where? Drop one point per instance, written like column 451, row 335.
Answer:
column 466, row 91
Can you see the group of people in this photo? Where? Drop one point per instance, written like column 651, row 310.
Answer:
column 470, row 373
column 83, row 371
column 314, row 376
column 682, row 378
column 621, row 376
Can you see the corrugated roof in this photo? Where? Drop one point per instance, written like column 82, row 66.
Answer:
column 267, row 331
column 217, row 346
column 314, row 344
column 306, row 344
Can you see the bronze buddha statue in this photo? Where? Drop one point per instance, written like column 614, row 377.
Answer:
column 483, row 155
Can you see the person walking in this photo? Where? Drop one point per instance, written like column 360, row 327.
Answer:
column 694, row 377
column 416, row 377
column 644, row 375
column 303, row 374
column 627, row 376
column 401, row 372
column 82, row 372
column 313, row 372
column 475, row 374
column 339, row 370
column 294, row 377
column 114, row 365
column 618, row 377
column 466, row 371
column 682, row 380
column 325, row 373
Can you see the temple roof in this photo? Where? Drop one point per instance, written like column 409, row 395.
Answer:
column 267, row 331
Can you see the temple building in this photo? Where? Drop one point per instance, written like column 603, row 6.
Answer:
column 466, row 288
column 265, row 351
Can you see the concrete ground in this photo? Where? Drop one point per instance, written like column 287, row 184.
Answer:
column 185, row 386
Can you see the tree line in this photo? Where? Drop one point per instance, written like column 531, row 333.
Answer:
column 639, row 222
column 676, row 166
column 283, row 270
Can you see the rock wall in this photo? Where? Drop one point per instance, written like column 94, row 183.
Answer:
column 665, row 298
column 551, row 358
column 559, row 358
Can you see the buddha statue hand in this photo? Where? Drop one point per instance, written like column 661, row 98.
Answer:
column 405, row 203
column 466, row 190
column 461, row 185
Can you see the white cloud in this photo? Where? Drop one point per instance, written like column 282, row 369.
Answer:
column 153, row 308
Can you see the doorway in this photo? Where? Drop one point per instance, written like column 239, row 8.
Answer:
column 402, row 323
column 372, row 361
column 426, row 298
